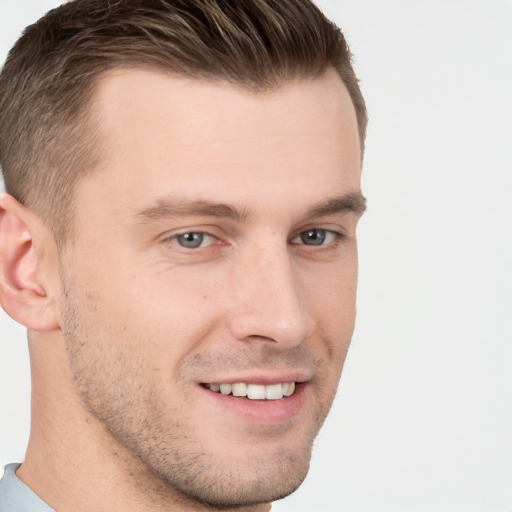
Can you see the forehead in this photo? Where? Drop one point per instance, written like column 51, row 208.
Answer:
column 134, row 102
column 172, row 135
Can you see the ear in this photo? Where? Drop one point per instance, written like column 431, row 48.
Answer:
column 24, row 285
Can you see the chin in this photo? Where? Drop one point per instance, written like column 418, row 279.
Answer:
column 247, row 492
column 233, row 485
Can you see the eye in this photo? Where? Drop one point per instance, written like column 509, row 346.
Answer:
column 192, row 240
column 315, row 237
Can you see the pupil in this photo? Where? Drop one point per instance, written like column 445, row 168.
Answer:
column 313, row 237
column 191, row 240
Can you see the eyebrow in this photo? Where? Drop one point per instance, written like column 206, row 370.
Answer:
column 353, row 202
column 175, row 207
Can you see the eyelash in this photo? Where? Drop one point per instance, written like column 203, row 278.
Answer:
column 202, row 234
column 322, row 233
column 325, row 234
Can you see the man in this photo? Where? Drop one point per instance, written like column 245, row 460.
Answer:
column 178, row 237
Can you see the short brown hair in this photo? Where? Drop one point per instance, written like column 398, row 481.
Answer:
column 47, row 139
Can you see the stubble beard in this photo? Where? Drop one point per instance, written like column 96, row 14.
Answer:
column 161, row 455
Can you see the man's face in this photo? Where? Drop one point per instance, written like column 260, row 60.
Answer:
column 215, row 247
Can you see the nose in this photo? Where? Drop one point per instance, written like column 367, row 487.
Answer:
column 270, row 302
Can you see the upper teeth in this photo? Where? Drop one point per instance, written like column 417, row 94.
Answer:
column 255, row 391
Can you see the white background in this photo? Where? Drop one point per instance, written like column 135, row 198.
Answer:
column 423, row 419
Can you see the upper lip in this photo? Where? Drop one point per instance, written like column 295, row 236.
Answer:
column 266, row 379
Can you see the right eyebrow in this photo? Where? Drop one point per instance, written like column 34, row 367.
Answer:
column 172, row 208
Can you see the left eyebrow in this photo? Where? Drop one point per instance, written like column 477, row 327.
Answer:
column 353, row 202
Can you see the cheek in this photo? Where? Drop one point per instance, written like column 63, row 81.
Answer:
column 177, row 313
column 332, row 303
column 156, row 316
column 332, row 295
column 117, row 358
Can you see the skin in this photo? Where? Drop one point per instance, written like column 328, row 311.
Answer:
column 126, row 325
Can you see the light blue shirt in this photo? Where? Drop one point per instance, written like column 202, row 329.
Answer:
column 15, row 496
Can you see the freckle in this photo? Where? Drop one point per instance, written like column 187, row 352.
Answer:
column 205, row 297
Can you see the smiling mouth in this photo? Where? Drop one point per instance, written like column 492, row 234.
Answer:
column 254, row 391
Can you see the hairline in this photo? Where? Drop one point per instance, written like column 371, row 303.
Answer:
column 90, row 126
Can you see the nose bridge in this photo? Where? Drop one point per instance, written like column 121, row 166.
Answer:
column 270, row 301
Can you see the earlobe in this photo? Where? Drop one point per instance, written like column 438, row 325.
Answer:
column 22, row 292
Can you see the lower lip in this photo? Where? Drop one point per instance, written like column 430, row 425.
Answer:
column 264, row 412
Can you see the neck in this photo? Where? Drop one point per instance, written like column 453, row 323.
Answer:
column 70, row 453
